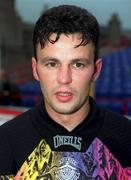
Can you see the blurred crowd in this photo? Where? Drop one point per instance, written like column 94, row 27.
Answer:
column 9, row 91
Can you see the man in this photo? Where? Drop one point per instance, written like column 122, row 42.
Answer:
column 67, row 136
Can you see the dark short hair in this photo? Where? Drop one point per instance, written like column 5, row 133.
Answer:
column 66, row 19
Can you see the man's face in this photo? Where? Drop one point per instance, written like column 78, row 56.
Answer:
column 65, row 73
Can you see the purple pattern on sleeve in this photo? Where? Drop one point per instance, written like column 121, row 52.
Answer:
column 99, row 163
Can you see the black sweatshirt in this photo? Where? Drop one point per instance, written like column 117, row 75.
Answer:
column 98, row 148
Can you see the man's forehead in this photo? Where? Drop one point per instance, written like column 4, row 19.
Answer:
column 75, row 38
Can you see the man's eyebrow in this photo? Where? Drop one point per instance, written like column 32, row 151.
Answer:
column 80, row 59
column 45, row 59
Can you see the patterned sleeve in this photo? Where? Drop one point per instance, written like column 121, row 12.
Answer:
column 11, row 177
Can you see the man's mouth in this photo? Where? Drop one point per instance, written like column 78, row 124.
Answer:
column 64, row 96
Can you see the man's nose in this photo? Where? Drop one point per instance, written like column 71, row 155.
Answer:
column 64, row 75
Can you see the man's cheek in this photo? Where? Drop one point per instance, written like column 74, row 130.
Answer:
column 48, row 84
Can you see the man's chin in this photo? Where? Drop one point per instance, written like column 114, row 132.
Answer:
column 62, row 108
column 66, row 110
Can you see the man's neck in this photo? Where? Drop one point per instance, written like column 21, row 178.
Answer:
column 70, row 121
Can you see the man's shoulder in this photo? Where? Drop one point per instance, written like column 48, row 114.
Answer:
column 19, row 123
column 115, row 124
column 110, row 118
column 116, row 135
column 18, row 138
column 116, row 118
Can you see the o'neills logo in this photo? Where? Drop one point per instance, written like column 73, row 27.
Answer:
column 67, row 140
column 67, row 169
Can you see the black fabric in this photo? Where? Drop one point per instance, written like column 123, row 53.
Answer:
column 20, row 136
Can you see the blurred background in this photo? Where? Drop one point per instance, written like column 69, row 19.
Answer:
column 17, row 19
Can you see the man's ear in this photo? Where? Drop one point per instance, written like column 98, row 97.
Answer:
column 98, row 67
column 34, row 69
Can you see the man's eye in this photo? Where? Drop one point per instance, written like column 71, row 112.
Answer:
column 78, row 65
column 51, row 64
